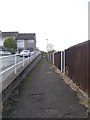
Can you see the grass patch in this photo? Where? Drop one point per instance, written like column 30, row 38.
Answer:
column 26, row 83
column 89, row 106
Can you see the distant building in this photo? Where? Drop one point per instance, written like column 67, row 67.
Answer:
column 26, row 41
column 7, row 34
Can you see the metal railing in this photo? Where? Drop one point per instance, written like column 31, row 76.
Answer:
column 18, row 65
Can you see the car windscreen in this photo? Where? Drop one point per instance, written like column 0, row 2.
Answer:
column 25, row 51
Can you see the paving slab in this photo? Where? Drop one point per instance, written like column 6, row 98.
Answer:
column 44, row 94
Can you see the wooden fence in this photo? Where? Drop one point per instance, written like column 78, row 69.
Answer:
column 57, row 60
column 77, row 64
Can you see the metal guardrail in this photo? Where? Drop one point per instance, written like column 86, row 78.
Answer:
column 14, row 69
column 15, row 65
column 7, row 56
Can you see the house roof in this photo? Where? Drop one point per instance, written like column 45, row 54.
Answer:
column 9, row 34
column 26, row 36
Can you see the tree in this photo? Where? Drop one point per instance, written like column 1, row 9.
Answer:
column 50, row 47
column 10, row 44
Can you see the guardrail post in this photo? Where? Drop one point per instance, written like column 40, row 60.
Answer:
column 23, row 60
column 15, row 64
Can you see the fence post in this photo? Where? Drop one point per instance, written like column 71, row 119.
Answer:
column 23, row 59
column 53, row 58
column 64, row 62
column 15, row 64
column 61, row 61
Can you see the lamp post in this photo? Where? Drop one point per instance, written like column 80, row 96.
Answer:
column 47, row 45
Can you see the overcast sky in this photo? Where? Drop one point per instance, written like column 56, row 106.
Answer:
column 63, row 22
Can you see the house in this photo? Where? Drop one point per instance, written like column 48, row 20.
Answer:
column 26, row 41
column 7, row 34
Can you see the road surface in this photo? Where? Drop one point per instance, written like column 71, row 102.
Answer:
column 6, row 62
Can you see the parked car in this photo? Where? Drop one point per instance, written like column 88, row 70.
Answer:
column 3, row 53
column 32, row 53
column 25, row 53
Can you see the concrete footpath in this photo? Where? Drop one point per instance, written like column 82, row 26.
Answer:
column 44, row 94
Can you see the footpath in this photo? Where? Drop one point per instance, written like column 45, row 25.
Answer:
column 44, row 94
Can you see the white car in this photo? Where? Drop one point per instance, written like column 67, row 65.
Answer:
column 32, row 53
column 25, row 53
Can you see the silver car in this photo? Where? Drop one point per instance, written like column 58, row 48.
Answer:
column 25, row 53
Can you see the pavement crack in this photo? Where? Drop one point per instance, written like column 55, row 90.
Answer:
column 50, row 111
column 37, row 97
column 36, row 94
column 71, row 113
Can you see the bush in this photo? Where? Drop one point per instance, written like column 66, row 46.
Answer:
column 12, row 51
column 10, row 44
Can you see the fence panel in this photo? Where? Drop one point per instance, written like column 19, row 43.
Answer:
column 77, row 64
column 57, row 59
column 52, row 58
column 76, row 68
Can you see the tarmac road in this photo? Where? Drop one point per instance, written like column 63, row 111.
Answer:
column 44, row 94
column 9, row 61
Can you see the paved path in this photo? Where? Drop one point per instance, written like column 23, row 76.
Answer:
column 44, row 94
